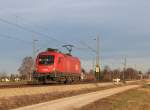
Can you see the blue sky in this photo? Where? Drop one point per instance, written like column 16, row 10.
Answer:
column 123, row 26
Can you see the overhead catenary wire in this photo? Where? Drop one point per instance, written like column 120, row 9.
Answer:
column 29, row 30
column 14, row 38
column 86, row 45
column 32, row 31
column 4, row 36
column 38, row 33
column 17, row 17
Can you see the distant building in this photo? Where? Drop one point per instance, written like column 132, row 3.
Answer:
column 17, row 79
column 5, row 80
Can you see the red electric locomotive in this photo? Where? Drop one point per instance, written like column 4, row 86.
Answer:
column 52, row 65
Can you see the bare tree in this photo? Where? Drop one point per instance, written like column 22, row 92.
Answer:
column 25, row 69
column 107, row 74
column 3, row 75
column 12, row 77
column 131, row 74
column 148, row 72
column 116, row 73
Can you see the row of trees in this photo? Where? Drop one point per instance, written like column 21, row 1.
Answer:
column 25, row 71
column 128, row 74
column 10, row 77
column 26, row 68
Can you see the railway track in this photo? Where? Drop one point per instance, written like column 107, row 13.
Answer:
column 23, row 85
column 3, row 86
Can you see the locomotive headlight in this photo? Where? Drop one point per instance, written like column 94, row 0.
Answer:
column 54, row 69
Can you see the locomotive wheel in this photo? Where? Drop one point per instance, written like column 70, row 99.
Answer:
column 68, row 80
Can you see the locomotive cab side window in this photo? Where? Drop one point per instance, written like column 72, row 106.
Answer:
column 46, row 59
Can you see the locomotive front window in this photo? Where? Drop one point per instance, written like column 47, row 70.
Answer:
column 46, row 59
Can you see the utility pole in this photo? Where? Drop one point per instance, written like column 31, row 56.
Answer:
column 124, row 69
column 33, row 57
column 98, row 52
column 97, row 70
column 93, row 63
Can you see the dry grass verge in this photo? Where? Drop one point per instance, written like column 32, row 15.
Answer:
column 19, row 101
column 138, row 99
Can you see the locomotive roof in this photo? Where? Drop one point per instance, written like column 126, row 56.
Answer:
column 56, row 52
column 51, row 49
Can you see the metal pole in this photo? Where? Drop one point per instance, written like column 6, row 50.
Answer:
column 98, row 52
column 124, row 70
column 93, row 63
column 98, row 58
column 33, row 57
